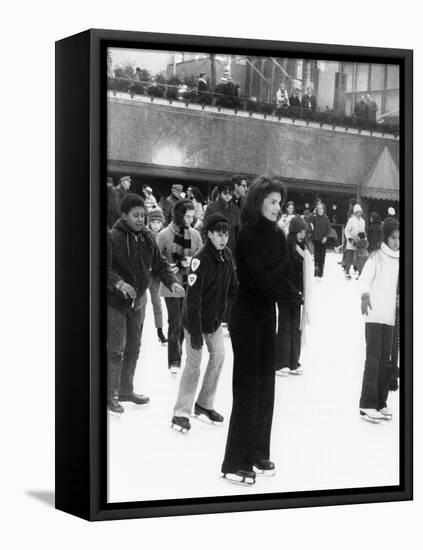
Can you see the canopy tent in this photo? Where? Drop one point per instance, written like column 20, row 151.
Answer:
column 382, row 182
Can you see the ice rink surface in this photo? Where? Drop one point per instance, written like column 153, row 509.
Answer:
column 318, row 439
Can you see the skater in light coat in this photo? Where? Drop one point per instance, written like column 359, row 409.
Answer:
column 178, row 242
column 378, row 284
column 355, row 225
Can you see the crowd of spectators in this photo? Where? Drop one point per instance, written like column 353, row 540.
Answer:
column 227, row 95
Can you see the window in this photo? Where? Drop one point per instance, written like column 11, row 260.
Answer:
column 393, row 77
column 362, row 78
column 391, row 101
column 348, row 69
column 377, row 77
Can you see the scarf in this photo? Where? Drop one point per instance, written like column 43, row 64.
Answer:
column 181, row 248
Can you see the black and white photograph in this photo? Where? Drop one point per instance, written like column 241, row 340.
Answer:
column 253, row 268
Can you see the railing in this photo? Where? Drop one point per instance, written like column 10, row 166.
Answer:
column 173, row 92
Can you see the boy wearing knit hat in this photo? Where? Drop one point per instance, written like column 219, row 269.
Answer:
column 211, row 281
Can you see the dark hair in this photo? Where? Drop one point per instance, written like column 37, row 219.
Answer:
column 292, row 241
column 179, row 211
column 129, row 201
column 220, row 227
column 389, row 226
column 197, row 194
column 226, row 184
column 236, row 180
column 361, row 235
column 375, row 218
column 257, row 192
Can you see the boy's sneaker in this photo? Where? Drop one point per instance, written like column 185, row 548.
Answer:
column 283, row 371
column 114, row 406
column 264, row 467
column 386, row 412
column 174, row 368
column 134, row 398
column 371, row 415
column 211, row 414
column 181, row 424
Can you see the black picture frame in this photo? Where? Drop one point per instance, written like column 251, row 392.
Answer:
column 80, row 276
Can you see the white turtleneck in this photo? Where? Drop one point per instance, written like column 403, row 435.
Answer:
column 379, row 278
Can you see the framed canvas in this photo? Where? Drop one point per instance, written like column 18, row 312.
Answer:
column 189, row 132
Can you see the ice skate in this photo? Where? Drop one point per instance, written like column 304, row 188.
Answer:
column 136, row 398
column 174, row 368
column 240, row 477
column 180, row 424
column 283, row 371
column 386, row 413
column 264, row 468
column 210, row 415
column 297, row 372
column 114, row 406
column 162, row 338
column 371, row 415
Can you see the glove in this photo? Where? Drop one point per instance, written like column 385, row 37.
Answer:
column 365, row 304
column 196, row 341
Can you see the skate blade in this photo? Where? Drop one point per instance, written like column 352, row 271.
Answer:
column 282, row 374
column 264, row 473
column 238, row 480
column 206, row 420
column 386, row 417
column 370, row 419
column 177, row 428
column 115, row 415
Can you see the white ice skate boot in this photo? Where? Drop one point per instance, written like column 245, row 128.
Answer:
column 386, row 413
column 298, row 371
column 371, row 415
column 240, row 477
column 264, row 468
column 283, row 372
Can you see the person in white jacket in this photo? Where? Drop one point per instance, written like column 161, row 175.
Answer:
column 378, row 285
column 355, row 225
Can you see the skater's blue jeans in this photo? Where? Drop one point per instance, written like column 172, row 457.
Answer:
column 377, row 369
column 124, row 330
column 191, row 374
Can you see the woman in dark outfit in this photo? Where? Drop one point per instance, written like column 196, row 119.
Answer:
column 262, row 265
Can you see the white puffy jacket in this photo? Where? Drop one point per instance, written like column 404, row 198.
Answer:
column 380, row 279
column 352, row 229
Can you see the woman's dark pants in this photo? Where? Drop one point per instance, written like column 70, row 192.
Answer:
column 252, row 332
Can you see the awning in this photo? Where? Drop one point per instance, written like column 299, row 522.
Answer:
column 382, row 182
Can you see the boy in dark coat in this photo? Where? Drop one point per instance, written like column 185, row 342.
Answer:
column 211, row 281
column 132, row 257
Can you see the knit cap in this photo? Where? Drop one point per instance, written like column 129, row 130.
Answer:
column 156, row 214
column 297, row 224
